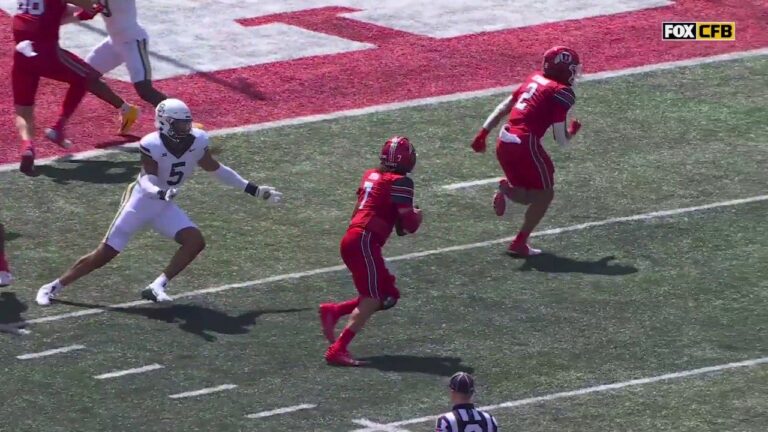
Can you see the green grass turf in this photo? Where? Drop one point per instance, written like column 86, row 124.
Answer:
column 684, row 292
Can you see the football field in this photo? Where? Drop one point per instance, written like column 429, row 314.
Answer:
column 656, row 250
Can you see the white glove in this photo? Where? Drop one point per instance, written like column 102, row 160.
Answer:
column 168, row 194
column 267, row 193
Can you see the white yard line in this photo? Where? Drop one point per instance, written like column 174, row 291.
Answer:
column 204, row 391
column 324, row 270
column 279, row 411
column 580, row 392
column 50, row 352
column 466, row 184
column 380, row 427
column 133, row 371
column 419, row 102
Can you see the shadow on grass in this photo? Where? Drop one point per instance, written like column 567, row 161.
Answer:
column 195, row 319
column 92, row 171
column 551, row 263
column 442, row 366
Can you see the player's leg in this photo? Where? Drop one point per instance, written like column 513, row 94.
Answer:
column 375, row 285
column 25, row 80
column 136, row 57
column 132, row 216
column 61, row 66
column 174, row 223
column 540, row 192
column 5, row 271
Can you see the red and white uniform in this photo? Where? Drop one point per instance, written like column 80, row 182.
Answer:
column 379, row 197
column 539, row 102
column 36, row 34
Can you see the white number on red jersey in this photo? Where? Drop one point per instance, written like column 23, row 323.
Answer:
column 521, row 102
column 367, row 186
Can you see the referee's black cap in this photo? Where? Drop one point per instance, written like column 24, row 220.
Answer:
column 462, row 382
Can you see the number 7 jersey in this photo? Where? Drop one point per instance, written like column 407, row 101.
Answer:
column 538, row 103
column 378, row 198
column 175, row 167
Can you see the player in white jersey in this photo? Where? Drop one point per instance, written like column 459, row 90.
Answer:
column 168, row 158
column 126, row 43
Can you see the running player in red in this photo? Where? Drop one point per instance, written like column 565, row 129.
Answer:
column 36, row 34
column 541, row 101
column 384, row 202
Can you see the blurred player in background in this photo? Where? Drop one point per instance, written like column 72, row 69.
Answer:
column 464, row 417
column 168, row 158
column 5, row 270
column 126, row 44
column 38, row 55
column 384, row 202
column 541, row 101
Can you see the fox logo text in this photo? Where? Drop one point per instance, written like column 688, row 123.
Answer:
column 700, row 31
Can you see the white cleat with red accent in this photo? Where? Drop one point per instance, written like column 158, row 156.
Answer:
column 522, row 250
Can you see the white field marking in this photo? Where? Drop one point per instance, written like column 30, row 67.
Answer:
column 412, row 103
column 139, row 370
column 324, row 270
column 584, row 391
column 373, row 426
column 50, row 352
column 279, row 411
column 203, row 391
column 466, row 184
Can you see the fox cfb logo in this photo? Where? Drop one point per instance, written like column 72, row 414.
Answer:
column 699, row 31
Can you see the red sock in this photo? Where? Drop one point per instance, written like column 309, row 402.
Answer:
column 26, row 145
column 343, row 341
column 3, row 263
column 522, row 237
column 346, row 307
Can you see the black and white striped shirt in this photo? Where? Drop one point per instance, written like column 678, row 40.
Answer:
column 466, row 418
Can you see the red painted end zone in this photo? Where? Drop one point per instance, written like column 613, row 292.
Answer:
column 403, row 67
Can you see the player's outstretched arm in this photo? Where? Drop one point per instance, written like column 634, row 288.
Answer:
column 148, row 180
column 230, row 177
column 501, row 111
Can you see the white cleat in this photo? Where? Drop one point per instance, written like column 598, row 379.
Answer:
column 156, row 294
column 46, row 293
column 5, row 278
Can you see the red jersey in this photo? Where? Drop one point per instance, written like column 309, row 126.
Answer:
column 38, row 21
column 378, row 198
column 538, row 103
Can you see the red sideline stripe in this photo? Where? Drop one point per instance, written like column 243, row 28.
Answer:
column 404, row 67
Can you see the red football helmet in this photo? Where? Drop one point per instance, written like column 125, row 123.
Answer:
column 561, row 64
column 398, row 154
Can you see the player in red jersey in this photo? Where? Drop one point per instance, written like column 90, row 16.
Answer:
column 384, row 202
column 541, row 101
column 36, row 34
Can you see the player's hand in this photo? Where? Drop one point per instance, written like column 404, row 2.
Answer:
column 267, row 193
column 89, row 14
column 574, row 127
column 168, row 194
column 478, row 145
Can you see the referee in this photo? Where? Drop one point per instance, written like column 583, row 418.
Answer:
column 464, row 417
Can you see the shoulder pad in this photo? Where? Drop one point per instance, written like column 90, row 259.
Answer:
column 149, row 144
column 565, row 96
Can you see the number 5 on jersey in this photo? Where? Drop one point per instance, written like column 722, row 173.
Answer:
column 175, row 177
